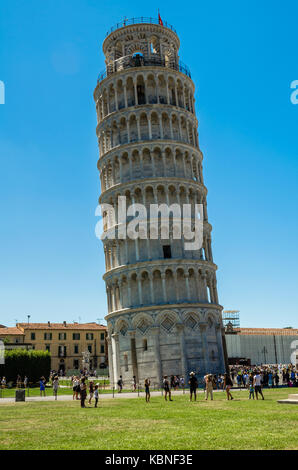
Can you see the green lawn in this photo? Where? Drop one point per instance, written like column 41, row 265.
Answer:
column 35, row 392
column 133, row 424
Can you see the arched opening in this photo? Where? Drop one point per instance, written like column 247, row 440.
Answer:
column 141, row 96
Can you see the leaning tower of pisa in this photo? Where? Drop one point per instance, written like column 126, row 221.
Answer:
column 163, row 312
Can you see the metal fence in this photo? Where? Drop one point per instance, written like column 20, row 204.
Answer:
column 140, row 19
column 129, row 61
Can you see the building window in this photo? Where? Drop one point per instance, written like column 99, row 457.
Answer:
column 76, row 349
column 102, row 348
column 61, row 351
column 89, row 348
column 47, row 336
column 76, row 336
column 48, row 347
column 33, row 346
column 76, row 364
column 62, row 336
column 89, row 336
column 102, row 336
column 167, row 251
column 33, row 336
column 145, row 346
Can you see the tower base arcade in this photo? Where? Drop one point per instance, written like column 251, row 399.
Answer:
column 166, row 340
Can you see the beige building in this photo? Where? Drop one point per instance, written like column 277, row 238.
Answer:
column 13, row 338
column 164, row 316
column 65, row 341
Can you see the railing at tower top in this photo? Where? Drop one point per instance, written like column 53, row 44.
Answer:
column 129, row 61
column 140, row 19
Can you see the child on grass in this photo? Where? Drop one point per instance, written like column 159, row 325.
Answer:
column 251, row 391
column 96, row 395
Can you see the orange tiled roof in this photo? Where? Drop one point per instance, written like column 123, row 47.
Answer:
column 267, row 331
column 10, row 331
column 61, row 326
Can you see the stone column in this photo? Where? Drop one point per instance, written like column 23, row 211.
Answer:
column 153, row 165
column 136, row 93
column 171, row 128
column 184, row 365
column 151, row 288
column 120, row 169
column 133, row 351
column 168, row 96
column 176, row 95
column 129, row 292
column 163, row 154
column 110, row 360
column 220, row 346
column 138, row 127
column 125, row 95
column 164, row 291
column 203, row 327
column 160, row 126
column 204, row 288
column 128, row 131
column 116, row 97
column 139, row 281
column 130, row 166
column 150, row 128
column 116, row 356
column 186, row 276
column 155, row 335
column 108, row 299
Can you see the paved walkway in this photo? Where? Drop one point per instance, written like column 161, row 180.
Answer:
column 102, row 396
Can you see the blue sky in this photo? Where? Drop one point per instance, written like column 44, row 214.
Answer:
column 243, row 57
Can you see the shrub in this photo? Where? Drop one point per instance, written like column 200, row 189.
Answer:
column 33, row 364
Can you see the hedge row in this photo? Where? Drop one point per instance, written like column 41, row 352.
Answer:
column 33, row 364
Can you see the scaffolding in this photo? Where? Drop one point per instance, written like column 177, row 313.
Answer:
column 231, row 318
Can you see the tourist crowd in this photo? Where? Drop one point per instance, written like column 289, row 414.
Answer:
column 254, row 379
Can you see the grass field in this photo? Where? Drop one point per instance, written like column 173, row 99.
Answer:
column 35, row 392
column 133, row 424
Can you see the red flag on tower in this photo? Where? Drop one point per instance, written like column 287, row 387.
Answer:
column 159, row 19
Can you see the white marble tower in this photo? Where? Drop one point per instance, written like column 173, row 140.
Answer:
column 163, row 312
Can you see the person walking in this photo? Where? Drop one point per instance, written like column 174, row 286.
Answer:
column 227, row 385
column 25, row 381
column 209, row 386
column 91, row 391
column 42, row 386
column 120, row 384
column 258, row 385
column 182, row 383
column 83, row 392
column 134, row 384
column 96, row 394
column 75, row 388
column 55, row 386
column 147, row 390
column 167, row 389
column 251, row 391
column 193, row 385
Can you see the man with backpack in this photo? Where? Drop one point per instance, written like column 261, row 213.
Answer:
column 193, row 385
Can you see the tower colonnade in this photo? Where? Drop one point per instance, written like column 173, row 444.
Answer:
column 146, row 125
column 163, row 312
column 156, row 87
column 131, row 163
